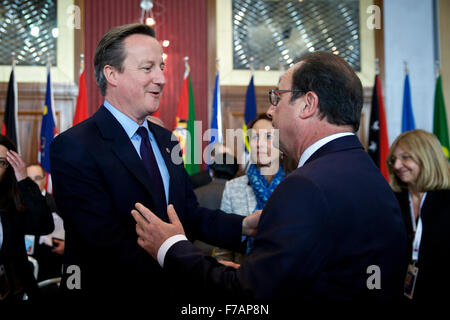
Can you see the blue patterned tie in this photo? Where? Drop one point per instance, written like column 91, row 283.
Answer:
column 151, row 165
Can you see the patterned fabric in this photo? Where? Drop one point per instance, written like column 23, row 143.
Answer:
column 260, row 186
column 262, row 190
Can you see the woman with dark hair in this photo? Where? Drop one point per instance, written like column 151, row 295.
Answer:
column 246, row 194
column 419, row 173
column 23, row 210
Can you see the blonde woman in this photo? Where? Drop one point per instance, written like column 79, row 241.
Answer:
column 420, row 175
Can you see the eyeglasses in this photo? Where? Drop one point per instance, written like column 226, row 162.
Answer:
column 4, row 163
column 37, row 178
column 403, row 158
column 275, row 95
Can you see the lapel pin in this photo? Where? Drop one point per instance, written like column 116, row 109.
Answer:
column 167, row 149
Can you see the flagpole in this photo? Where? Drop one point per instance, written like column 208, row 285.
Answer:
column 187, row 68
column 252, row 69
column 13, row 55
column 81, row 63
column 406, row 67
column 219, row 104
column 377, row 66
column 281, row 70
column 437, row 68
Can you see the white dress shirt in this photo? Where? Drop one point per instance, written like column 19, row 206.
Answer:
column 319, row 144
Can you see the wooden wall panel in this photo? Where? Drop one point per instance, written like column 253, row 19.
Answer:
column 31, row 97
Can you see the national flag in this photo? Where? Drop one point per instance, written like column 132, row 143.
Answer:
column 191, row 165
column 185, row 125
column 250, row 110
column 282, row 71
column 10, row 126
column 48, row 130
column 216, row 119
column 407, row 113
column 183, row 105
column 81, row 108
column 440, row 127
column 378, row 138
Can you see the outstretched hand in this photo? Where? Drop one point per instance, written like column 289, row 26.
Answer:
column 152, row 231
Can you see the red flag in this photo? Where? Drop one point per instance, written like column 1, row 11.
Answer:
column 378, row 138
column 81, row 109
column 183, row 104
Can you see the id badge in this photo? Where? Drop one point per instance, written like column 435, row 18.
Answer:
column 410, row 281
column 29, row 244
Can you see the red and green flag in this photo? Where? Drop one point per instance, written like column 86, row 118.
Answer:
column 440, row 126
column 185, row 126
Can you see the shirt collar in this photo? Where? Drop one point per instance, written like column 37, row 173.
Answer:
column 318, row 144
column 129, row 125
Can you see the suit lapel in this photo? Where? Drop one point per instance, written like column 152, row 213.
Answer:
column 113, row 134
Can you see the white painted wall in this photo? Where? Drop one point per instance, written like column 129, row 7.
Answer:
column 408, row 35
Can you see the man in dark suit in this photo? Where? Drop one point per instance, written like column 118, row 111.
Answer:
column 102, row 166
column 332, row 230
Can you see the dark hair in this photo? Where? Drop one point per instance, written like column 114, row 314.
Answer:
column 10, row 197
column 287, row 163
column 224, row 166
column 110, row 50
column 261, row 116
column 335, row 83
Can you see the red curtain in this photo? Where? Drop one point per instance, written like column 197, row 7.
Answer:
column 183, row 23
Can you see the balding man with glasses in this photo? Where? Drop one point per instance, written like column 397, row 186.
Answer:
column 332, row 230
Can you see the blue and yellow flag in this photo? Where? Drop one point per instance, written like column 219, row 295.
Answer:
column 407, row 113
column 250, row 110
column 48, row 128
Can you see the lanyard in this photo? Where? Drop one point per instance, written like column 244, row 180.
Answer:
column 417, row 229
